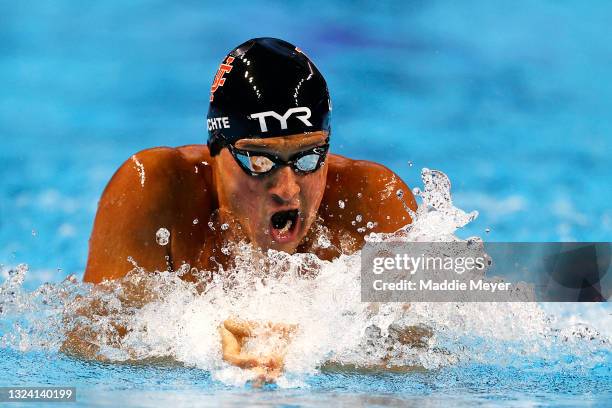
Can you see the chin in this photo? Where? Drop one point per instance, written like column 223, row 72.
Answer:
column 289, row 248
column 267, row 243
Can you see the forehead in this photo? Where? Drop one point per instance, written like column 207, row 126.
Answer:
column 284, row 144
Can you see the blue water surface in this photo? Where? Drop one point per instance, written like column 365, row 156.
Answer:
column 510, row 99
column 144, row 385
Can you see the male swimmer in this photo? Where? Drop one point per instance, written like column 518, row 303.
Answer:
column 265, row 177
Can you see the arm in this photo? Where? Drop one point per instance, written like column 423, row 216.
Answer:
column 232, row 350
column 233, row 334
column 139, row 199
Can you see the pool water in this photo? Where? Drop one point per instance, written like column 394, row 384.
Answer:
column 510, row 101
column 154, row 385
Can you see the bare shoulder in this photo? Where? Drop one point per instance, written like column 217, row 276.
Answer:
column 195, row 154
column 156, row 170
column 154, row 188
column 366, row 192
column 152, row 164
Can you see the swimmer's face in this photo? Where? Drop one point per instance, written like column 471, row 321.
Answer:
column 277, row 209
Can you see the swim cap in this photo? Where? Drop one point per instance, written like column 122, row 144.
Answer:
column 266, row 87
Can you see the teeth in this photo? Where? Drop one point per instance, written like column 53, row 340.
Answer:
column 287, row 226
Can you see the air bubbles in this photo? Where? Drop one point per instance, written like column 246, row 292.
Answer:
column 323, row 241
column 16, row 276
column 224, row 227
column 371, row 224
column 473, row 241
column 34, row 233
column 400, row 196
column 211, row 225
column 487, row 230
column 183, row 269
column 341, row 204
column 196, row 221
column 70, row 278
column 162, row 236
column 358, row 218
column 361, row 230
column 410, row 164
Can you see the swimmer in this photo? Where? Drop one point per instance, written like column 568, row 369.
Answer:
column 266, row 176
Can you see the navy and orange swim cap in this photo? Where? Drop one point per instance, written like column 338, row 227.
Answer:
column 266, row 87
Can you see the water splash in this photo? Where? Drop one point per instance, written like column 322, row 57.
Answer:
column 162, row 236
column 158, row 315
column 140, row 169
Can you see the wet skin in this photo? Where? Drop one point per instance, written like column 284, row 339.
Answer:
column 192, row 194
column 234, row 333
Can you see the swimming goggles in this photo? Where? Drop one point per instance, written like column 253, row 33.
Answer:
column 261, row 163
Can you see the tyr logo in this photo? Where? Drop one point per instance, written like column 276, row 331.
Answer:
column 219, row 80
column 302, row 110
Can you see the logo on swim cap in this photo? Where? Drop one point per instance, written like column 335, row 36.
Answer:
column 218, row 123
column 219, row 80
column 305, row 115
column 266, row 87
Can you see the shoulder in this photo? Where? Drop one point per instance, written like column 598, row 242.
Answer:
column 362, row 170
column 366, row 191
column 150, row 167
column 370, row 181
column 167, row 160
column 158, row 187
column 147, row 167
column 175, row 157
column 157, row 176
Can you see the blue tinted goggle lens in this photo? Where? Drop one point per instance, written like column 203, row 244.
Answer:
column 256, row 163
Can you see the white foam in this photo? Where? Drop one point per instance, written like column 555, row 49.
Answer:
column 322, row 298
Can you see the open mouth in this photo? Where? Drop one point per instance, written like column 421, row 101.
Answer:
column 283, row 225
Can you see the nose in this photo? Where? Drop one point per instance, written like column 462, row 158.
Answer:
column 283, row 187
